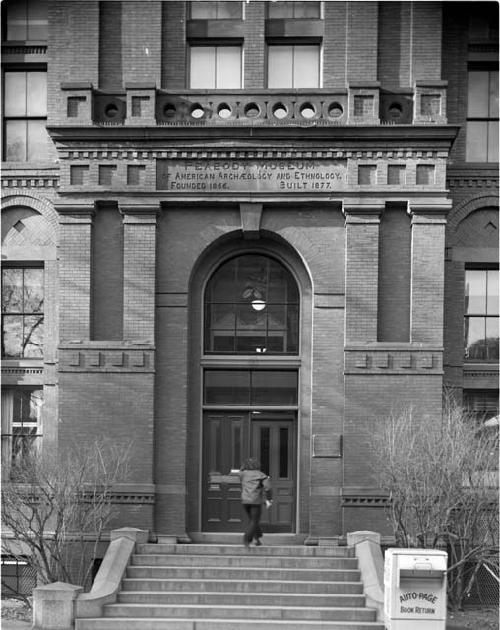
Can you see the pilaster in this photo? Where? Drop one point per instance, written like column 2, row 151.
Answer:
column 75, row 248
column 362, row 222
column 139, row 264
column 427, row 272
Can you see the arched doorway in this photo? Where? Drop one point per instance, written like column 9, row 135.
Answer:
column 248, row 373
column 251, row 309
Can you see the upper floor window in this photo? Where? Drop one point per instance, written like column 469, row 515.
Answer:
column 481, row 314
column 282, row 10
column 25, row 115
column 26, row 20
column 21, row 423
column 215, row 67
column 22, row 312
column 295, row 66
column 206, row 10
column 482, row 116
column 252, row 306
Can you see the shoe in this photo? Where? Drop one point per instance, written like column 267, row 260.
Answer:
column 258, row 543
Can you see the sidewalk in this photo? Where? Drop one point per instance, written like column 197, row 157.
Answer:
column 14, row 624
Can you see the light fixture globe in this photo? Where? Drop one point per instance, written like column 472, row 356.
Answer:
column 258, row 305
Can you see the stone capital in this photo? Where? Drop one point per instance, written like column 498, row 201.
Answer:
column 139, row 213
column 75, row 213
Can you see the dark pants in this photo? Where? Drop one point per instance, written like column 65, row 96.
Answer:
column 253, row 530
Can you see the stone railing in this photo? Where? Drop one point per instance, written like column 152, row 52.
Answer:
column 55, row 606
column 142, row 104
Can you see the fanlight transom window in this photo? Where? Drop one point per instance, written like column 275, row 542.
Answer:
column 252, row 306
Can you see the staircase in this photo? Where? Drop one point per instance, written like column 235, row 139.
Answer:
column 228, row 587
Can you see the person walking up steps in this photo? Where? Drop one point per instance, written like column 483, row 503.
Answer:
column 255, row 490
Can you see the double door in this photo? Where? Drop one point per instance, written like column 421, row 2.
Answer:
column 228, row 439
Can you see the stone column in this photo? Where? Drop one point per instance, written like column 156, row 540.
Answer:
column 427, row 272
column 75, row 254
column 361, row 274
column 139, row 272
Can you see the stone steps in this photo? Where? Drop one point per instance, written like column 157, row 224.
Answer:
column 241, row 598
column 229, row 587
column 249, row 561
column 249, row 586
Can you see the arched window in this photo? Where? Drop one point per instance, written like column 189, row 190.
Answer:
column 251, row 306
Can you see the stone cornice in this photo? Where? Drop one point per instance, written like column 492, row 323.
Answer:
column 251, row 153
column 404, row 135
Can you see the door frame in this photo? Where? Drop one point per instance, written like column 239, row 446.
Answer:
column 216, row 253
column 251, row 418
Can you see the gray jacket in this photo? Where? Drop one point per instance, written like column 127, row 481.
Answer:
column 255, row 487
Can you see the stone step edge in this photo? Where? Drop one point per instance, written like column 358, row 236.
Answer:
column 239, row 593
column 235, row 606
column 196, row 623
column 232, row 581
column 236, row 568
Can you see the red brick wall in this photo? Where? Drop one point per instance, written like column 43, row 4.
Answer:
column 107, row 274
column 173, row 55
column 394, row 276
column 110, row 45
column 141, row 41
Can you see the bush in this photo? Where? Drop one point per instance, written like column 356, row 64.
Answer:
column 56, row 510
column 440, row 473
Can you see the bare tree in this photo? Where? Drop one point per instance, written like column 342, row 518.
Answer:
column 56, row 510
column 440, row 473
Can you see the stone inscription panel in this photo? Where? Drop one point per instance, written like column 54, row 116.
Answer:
column 250, row 176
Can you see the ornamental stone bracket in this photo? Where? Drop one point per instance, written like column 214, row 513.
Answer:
column 122, row 359
column 393, row 361
column 354, row 497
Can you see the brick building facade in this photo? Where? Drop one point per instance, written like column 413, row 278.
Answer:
column 252, row 227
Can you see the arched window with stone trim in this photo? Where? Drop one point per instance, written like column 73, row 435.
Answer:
column 28, row 336
column 251, row 306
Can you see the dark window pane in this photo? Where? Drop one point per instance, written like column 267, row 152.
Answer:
column 250, row 344
column 493, row 110
column 283, row 453
column 204, row 10
column 492, row 292
column 259, row 297
column 12, row 335
column 227, row 387
column 37, row 140
column 492, row 338
column 264, row 449
column 16, row 21
column 280, row 10
column 478, row 97
column 36, row 97
column 477, row 141
column 37, row 20
column 33, row 336
column 15, row 140
column 229, row 10
column 15, row 94
column 475, row 331
column 273, row 387
column 33, row 290
column 493, row 141
column 236, row 431
column 277, row 317
column 475, row 291
column 12, row 290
